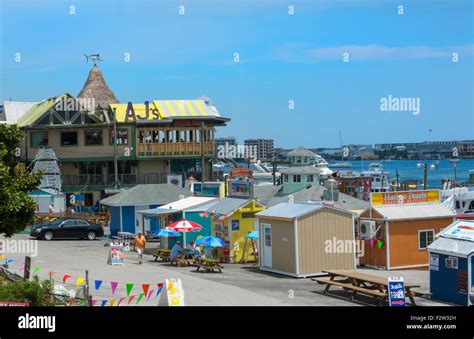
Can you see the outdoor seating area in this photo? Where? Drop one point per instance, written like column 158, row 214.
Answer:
column 360, row 283
column 209, row 265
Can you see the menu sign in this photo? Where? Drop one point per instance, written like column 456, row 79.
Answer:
column 463, row 231
column 405, row 197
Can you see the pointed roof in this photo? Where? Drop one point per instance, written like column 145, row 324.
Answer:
column 96, row 87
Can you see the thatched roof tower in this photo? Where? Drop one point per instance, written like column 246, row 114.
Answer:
column 95, row 87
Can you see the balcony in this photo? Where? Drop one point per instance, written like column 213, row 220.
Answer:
column 126, row 180
column 174, row 149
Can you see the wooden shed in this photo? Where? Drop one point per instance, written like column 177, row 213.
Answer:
column 303, row 239
column 399, row 226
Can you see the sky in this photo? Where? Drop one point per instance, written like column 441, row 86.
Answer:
column 307, row 71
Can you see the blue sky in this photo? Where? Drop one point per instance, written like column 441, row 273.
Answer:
column 283, row 57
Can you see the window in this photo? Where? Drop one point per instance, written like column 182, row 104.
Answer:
column 82, row 223
column 425, row 238
column 310, row 178
column 268, row 236
column 39, row 139
column 69, row 139
column 296, row 178
column 285, row 177
column 451, row 262
column 122, row 136
column 93, row 137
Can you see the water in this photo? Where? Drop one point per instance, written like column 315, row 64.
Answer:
column 407, row 170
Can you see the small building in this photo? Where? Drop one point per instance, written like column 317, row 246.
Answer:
column 190, row 208
column 124, row 206
column 303, row 239
column 301, row 174
column 46, row 197
column 398, row 227
column 232, row 219
column 452, row 264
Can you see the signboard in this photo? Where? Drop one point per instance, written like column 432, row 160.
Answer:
column 396, row 292
column 404, row 197
column 209, row 189
column 240, row 189
column 174, row 293
column 463, row 231
column 116, row 255
column 434, row 262
column 235, row 225
column 241, row 172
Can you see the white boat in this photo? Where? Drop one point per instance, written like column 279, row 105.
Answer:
column 341, row 164
column 320, row 163
column 262, row 175
column 454, row 160
column 379, row 178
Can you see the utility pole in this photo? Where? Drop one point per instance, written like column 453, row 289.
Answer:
column 203, row 171
column 425, row 175
column 398, row 177
column 87, row 301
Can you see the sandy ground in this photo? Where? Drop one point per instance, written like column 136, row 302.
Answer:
column 238, row 285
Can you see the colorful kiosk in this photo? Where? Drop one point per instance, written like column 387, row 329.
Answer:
column 452, row 264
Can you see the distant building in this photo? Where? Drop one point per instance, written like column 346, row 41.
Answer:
column 223, row 142
column 466, row 149
column 264, row 148
column 301, row 173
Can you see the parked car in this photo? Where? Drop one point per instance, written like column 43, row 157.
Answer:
column 66, row 228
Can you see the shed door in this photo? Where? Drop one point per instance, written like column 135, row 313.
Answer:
column 267, row 245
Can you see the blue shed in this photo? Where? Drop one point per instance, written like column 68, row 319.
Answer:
column 125, row 206
column 452, row 264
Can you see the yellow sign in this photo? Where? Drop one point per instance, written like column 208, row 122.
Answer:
column 174, row 291
column 405, row 197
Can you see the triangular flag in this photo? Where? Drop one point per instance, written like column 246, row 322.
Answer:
column 149, row 295
column 112, row 302
column 130, row 299
column 379, row 244
column 93, row 302
column 114, row 286
column 371, row 241
column 129, row 289
column 120, row 301
column 145, row 288
column 2, row 256
column 97, row 284
column 139, row 297
column 66, row 277
column 159, row 290
column 36, row 270
column 104, row 302
column 79, row 281
column 10, row 260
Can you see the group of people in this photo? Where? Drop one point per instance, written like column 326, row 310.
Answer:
column 176, row 251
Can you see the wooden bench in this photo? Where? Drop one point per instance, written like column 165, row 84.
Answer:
column 349, row 286
column 422, row 294
column 164, row 255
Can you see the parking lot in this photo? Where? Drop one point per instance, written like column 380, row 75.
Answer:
column 238, row 285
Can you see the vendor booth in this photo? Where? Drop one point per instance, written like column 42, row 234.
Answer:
column 232, row 219
column 399, row 226
column 452, row 264
column 303, row 239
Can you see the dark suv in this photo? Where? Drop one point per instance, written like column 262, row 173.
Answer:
column 66, row 228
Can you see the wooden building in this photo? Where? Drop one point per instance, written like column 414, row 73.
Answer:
column 303, row 239
column 399, row 226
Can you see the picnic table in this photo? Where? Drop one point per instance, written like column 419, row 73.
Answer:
column 209, row 265
column 186, row 259
column 362, row 283
column 162, row 254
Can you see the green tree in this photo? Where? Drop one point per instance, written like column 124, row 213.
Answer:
column 17, row 209
column 34, row 292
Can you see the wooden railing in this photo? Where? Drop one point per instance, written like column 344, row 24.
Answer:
column 174, row 149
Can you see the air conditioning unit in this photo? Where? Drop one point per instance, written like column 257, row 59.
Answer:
column 367, row 229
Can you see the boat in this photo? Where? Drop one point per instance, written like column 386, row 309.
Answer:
column 379, row 177
column 341, row 164
column 454, row 160
column 320, row 163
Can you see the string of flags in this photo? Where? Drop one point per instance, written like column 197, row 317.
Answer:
column 214, row 216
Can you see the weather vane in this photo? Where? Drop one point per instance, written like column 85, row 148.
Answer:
column 93, row 57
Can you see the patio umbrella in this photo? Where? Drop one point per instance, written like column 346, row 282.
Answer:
column 211, row 242
column 252, row 235
column 184, row 226
column 164, row 233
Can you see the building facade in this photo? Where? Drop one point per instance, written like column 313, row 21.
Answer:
column 264, row 148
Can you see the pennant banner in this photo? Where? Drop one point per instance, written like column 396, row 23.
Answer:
column 97, row 284
column 66, row 277
column 129, row 288
column 114, row 285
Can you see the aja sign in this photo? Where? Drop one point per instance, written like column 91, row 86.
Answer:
column 404, row 197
